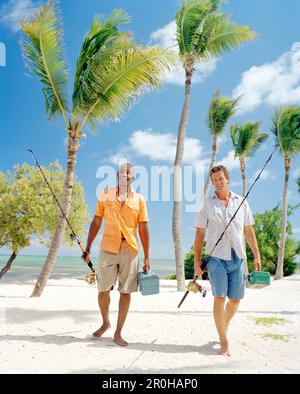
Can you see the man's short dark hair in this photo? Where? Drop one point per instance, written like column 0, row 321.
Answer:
column 220, row 168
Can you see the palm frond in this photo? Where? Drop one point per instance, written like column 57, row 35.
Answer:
column 103, row 35
column 113, row 83
column 44, row 55
column 189, row 20
column 219, row 35
column 247, row 138
column 221, row 109
column 286, row 128
column 105, row 54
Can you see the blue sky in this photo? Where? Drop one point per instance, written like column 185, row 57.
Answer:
column 266, row 70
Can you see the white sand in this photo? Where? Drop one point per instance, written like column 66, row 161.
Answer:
column 51, row 334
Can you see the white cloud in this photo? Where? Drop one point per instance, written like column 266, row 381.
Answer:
column 119, row 159
column 123, row 155
column 230, row 162
column 222, row 140
column 166, row 37
column 266, row 175
column 13, row 11
column 201, row 165
column 157, row 146
column 296, row 173
column 274, row 84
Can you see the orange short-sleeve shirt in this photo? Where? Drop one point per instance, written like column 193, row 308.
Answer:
column 121, row 219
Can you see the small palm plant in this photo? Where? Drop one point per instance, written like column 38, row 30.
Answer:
column 202, row 34
column 286, row 128
column 220, row 111
column 112, row 71
column 246, row 138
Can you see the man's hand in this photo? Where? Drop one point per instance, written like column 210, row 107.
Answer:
column 197, row 270
column 86, row 257
column 146, row 264
column 257, row 264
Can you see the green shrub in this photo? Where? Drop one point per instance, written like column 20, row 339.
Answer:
column 171, row 277
column 189, row 264
column 268, row 230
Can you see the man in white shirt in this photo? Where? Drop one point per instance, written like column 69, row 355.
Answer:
column 226, row 265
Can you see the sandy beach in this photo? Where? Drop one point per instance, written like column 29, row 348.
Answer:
column 52, row 334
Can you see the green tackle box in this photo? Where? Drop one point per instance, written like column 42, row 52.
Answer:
column 258, row 279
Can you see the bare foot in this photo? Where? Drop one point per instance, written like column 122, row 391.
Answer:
column 119, row 340
column 98, row 334
column 224, row 351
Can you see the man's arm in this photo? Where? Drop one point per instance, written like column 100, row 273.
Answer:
column 251, row 239
column 198, row 245
column 144, row 235
column 93, row 231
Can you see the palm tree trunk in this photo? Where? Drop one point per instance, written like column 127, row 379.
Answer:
column 61, row 224
column 177, row 185
column 8, row 264
column 279, row 269
column 243, row 171
column 212, row 164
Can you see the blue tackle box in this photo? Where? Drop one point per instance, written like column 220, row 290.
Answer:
column 148, row 282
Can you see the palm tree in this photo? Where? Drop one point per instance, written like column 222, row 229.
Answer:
column 286, row 128
column 111, row 73
column 202, row 34
column 246, row 138
column 221, row 109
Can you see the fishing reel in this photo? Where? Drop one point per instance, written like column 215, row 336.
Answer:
column 194, row 287
column 73, row 237
column 91, row 278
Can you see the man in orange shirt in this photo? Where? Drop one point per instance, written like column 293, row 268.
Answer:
column 123, row 211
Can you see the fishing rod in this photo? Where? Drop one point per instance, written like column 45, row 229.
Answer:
column 90, row 278
column 195, row 287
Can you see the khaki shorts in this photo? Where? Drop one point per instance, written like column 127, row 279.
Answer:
column 123, row 265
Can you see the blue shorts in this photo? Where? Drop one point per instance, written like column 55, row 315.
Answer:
column 227, row 276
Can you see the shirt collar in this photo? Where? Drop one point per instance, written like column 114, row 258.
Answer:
column 131, row 194
column 232, row 195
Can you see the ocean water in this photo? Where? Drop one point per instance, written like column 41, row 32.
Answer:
column 72, row 267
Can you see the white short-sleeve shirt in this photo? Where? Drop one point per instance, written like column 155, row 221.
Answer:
column 214, row 217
